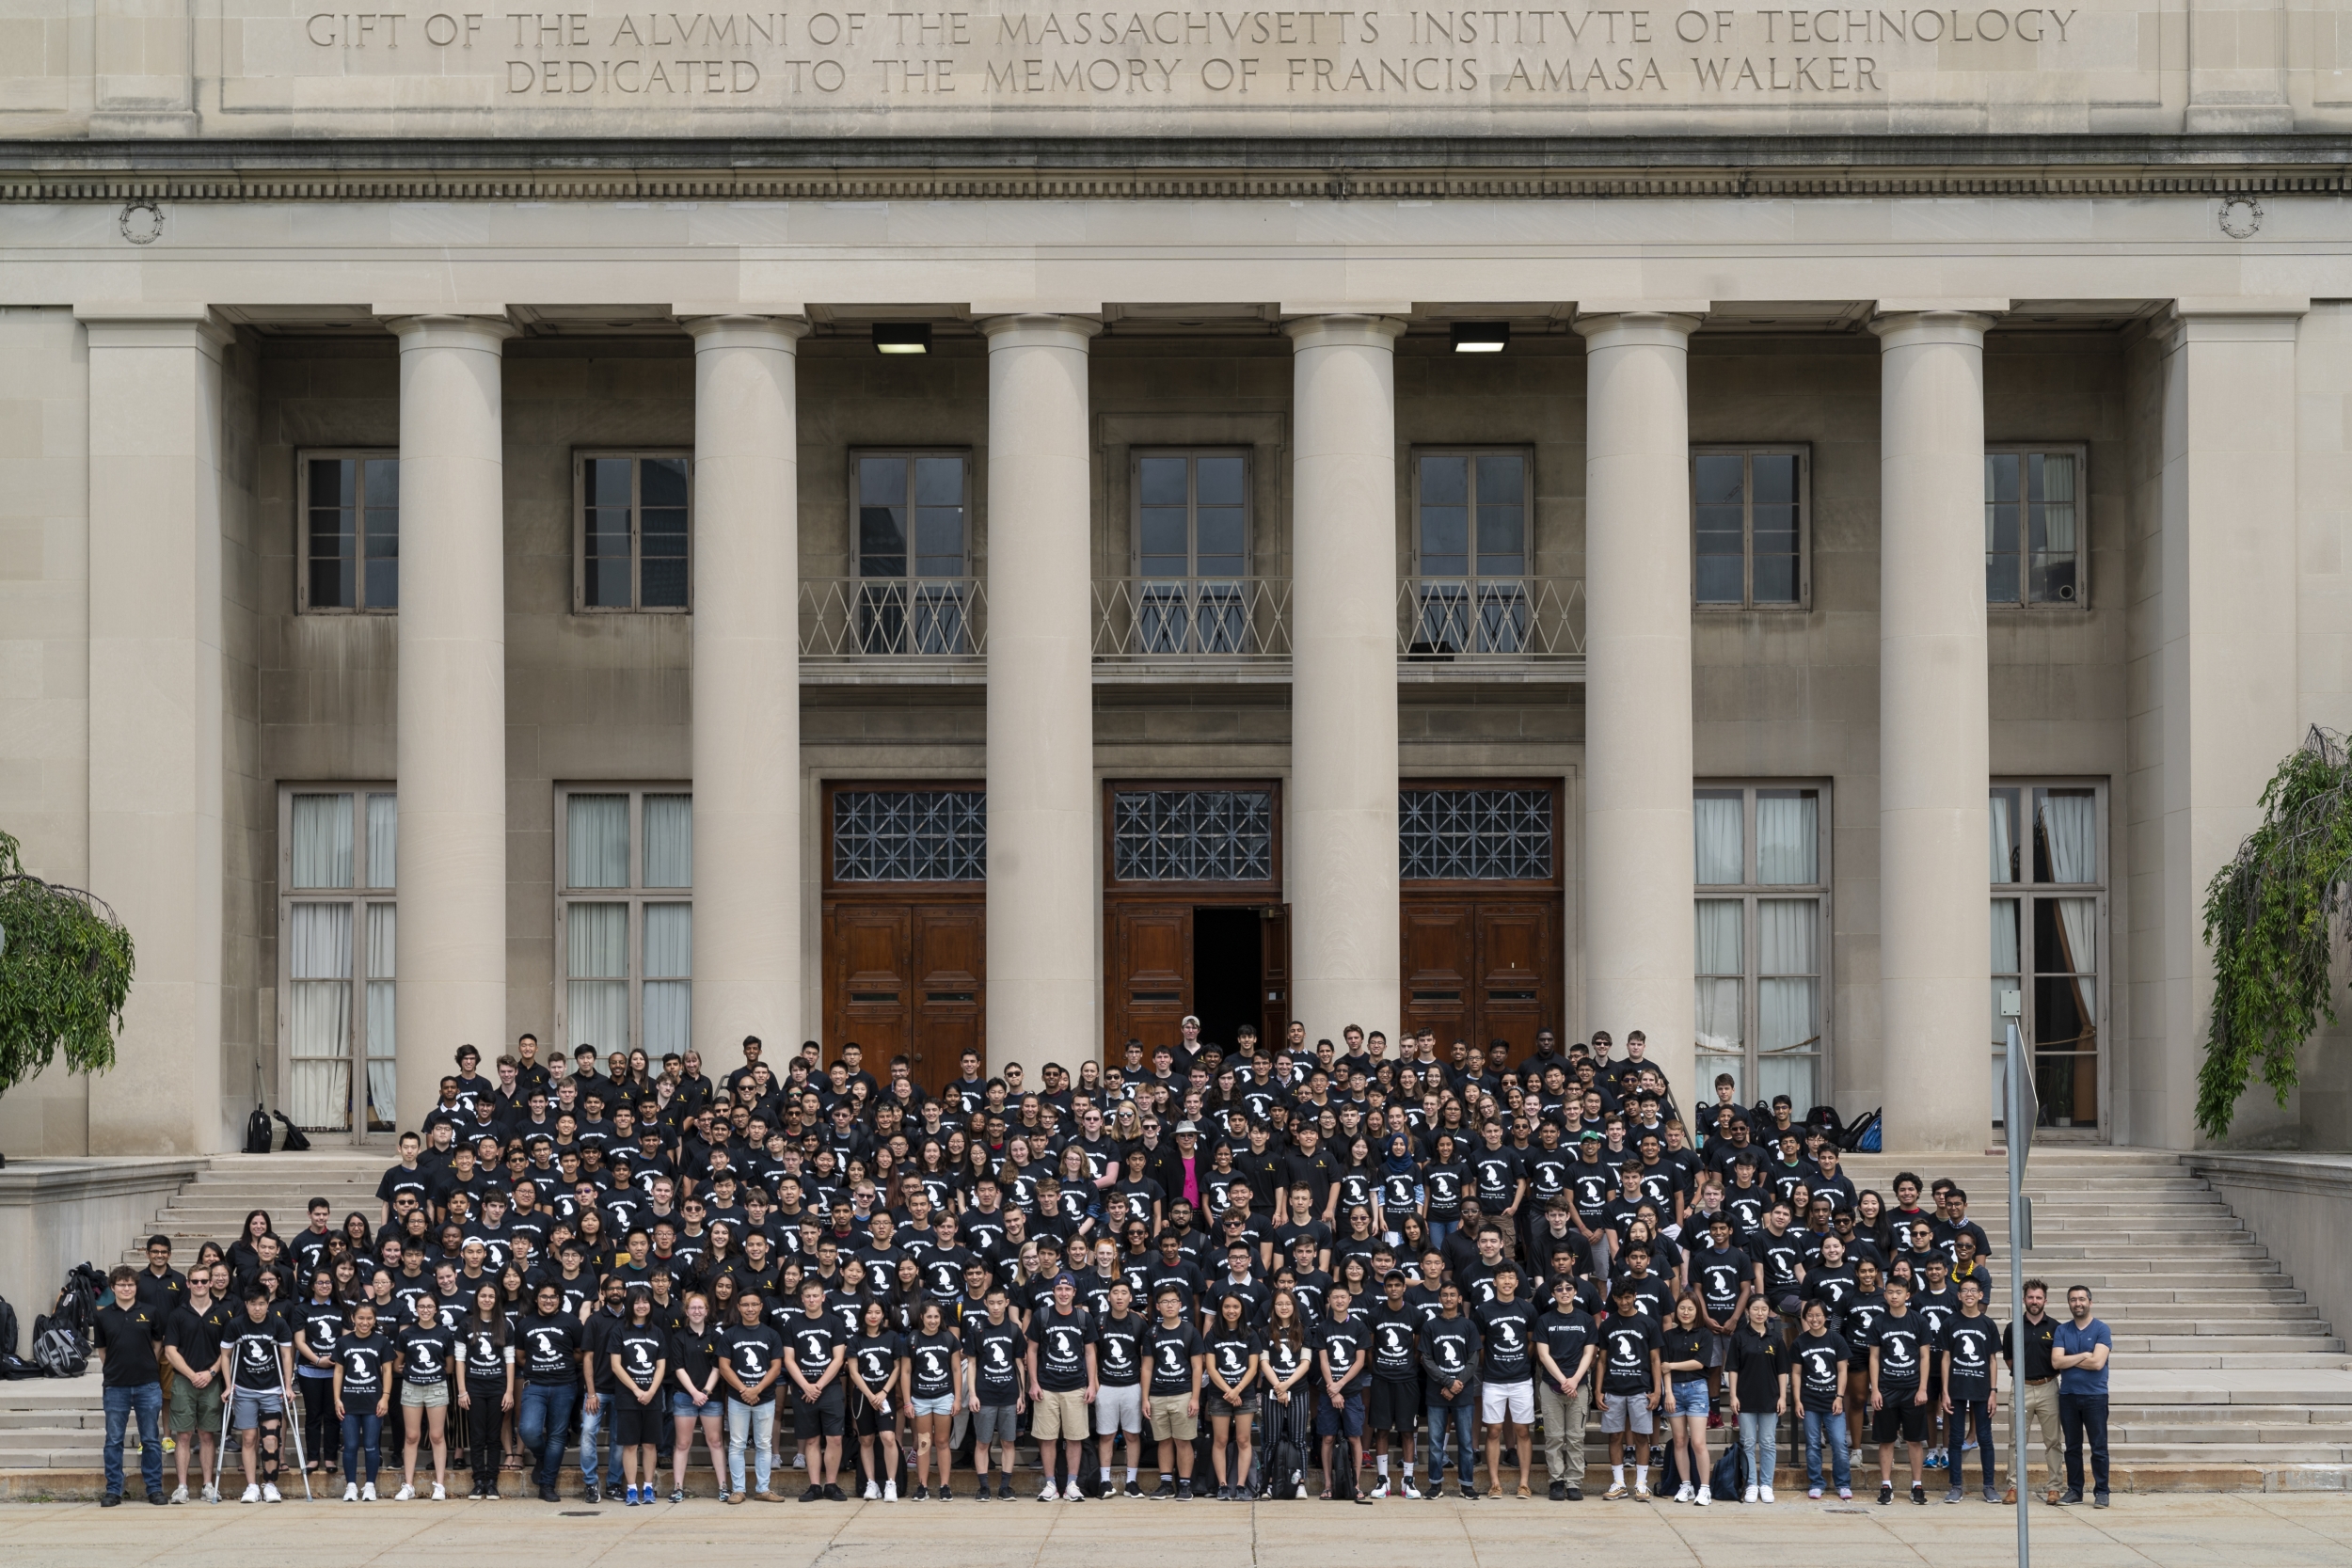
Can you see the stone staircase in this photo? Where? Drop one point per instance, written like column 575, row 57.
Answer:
column 2225, row 1377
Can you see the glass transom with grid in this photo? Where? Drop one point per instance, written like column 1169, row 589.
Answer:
column 1192, row 835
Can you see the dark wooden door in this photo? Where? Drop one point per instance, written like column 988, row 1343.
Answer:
column 1482, row 968
column 1148, row 988
column 1274, row 973
column 907, row 978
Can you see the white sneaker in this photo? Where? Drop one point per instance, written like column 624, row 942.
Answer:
column 1765, row 1494
column 1381, row 1490
column 252, row 1495
column 351, row 1491
column 873, row 1492
column 1410, row 1490
column 367, row 1493
column 440, row 1496
column 1642, row 1492
column 1682, row 1494
column 406, row 1494
column 1748, row 1495
column 179, row 1494
column 1701, row 1497
column 1072, row 1495
column 890, row 1491
column 1049, row 1493
column 269, row 1492
column 211, row 1494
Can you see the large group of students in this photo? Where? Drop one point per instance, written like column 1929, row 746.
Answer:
column 1284, row 1269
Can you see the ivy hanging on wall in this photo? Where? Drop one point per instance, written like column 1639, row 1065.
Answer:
column 65, row 971
column 2271, row 918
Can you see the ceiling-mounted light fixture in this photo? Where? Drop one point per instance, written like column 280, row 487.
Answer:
column 902, row 336
column 1481, row 337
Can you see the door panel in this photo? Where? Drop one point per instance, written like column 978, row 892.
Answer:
column 1148, row 986
column 950, row 954
column 1274, row 973
column 1438, row 966
column 907, row 978
column 1482, row 968
column 1518, row 967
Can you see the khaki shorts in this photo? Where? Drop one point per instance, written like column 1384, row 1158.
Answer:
column 1062, row 1413
column 434, row 1397
column 1171, row 1423
column 194, row 1409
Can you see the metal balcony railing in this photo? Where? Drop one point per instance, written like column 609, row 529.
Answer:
column 1191, row 621
column 1489, row 620
column 884, row 619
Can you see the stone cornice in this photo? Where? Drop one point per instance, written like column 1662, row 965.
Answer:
column 1501, row 169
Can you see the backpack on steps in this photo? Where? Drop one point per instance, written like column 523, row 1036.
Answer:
column 59, row 1350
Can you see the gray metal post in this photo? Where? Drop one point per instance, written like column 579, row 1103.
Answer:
column 2017, row 1126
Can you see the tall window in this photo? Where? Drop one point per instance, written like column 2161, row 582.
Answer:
column 1749, row 512
column 336, row 923
column 1471, row 547
column 634, row 533
column 914, row 556
column 2049, row 911
column 2033, row 544
column 1762, row 852
column 350, row 543
column 625, row 910
column 1192, row 546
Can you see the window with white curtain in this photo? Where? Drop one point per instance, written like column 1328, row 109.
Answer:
column 625, row 916
column 2035, row 550
column 1762, row 857
column 338, row 847
column 2049, row 917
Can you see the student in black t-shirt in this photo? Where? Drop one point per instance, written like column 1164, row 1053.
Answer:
column 363, row 1396
column 1686, row 1346
column 1971, row 1405
column 815, row 1350
column 994, row 1349
column 1819, row 1362
column 427, row 1353
column 1899, row 1347
column 935, row 1371
column 874, row 1373
column 694, row 1396
column 1756, row 1370
column 639, row 1357
column 124, row 1335
column 751, row 1357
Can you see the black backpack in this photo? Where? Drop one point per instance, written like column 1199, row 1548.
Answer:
column 295, row 1142
column 57, row 1350
column 257, row 1131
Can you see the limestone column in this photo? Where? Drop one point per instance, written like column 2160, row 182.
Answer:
column 747, row 685
column 451, row 736
column 1044, row 930
column 155, row 717
column 1935, row 946
column 1640, row 937
column 2224, row 690
column 1339, row 844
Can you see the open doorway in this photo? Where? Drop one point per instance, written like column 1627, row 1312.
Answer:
column 1228, row 970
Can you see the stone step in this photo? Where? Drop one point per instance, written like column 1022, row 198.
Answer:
column 2214, row 1359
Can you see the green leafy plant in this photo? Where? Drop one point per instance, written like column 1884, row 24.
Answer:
column 2270, row 919
column 65, row 971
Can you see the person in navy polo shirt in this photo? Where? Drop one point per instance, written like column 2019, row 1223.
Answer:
column 2080, row 1353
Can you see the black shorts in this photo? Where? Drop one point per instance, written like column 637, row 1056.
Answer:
column 1900, row 1417
column 635, row 1425
column 862, row 1418
column 821, row 1416
column 1394, row 1406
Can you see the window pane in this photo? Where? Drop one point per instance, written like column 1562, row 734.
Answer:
column 597, row 840
column 597, row 968
column 909, row 835
column 1161, row 481
column 1220, row 540
column 881, row 516
column 669, row 841
column 2066, row 835
column 334, row 535
column 2003, row 563
column 1502, row 499
column 2006, row 958
column 1445, row 481
column 383, row 1016
column 381, row 550
column 1788, row 936
column 1793, row 1074
column 669, row 942
column 322, row 841
column 2002, row 836
column 383, row 840
column 2051, row 530
column 1722, row 942
column 1718, row 486
column 661, row 545
column 605, row 551
column 939, row 535
column 1162, row 541
column 1715, row 822
column 1776, row 528
column 1218, row 481
column 1474, row 834
column 318, row 1093
column 1788, row 837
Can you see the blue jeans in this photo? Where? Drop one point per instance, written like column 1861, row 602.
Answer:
column 363, row 1440
column 1971, row 1417
column 1462, row 1419
column 1834, row 1422
column 542, row 1416
column 590, row 1422
column 2084, row 1417
column 1759, row 1435
column 755, row 1425
column 146, row 1401
column 1439, row 1231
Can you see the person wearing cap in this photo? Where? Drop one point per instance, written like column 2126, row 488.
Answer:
column 1062, row 1383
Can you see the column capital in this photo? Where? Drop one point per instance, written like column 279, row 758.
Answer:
column 722, row 329
column 447, row 326
column 136, row 323
column 1343, row 330
column 1900, row 322
column 1039, row 330
column 2255, row 320
column 1661, row 323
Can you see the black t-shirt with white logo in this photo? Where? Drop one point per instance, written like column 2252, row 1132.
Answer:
column 1061, row 1340
column 1170, row 1351
column 1341, row 1343
column 997, row 1351
column 1718, row 1276
column 641, row 1349
column 932, row 1357
column 427, row 1355
column 482, row 1347
column 1566, row 1335
column 1901, row 1343
column 813, row 1340
column 1452, row 1345
column 1626, row 1344
column 253, row 1349
column 1972, row 1342
column 363, row 1362
column 1230, row 1351
column 546, row 1347
column 1118, row 1350
column 1395, row 1343
column 750, row 1350
column 1506, row 1332
column 1818, row 1358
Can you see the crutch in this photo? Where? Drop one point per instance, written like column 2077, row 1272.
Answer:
column 294, row 1424
column 220, row 1454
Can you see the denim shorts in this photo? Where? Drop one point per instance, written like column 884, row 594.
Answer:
column 1690, row 1398
column 944, row 1406
column 682, row 1405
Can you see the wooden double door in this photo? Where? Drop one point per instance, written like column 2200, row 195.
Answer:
column 908, row 974
column 1225, row 960
column 1483, row 966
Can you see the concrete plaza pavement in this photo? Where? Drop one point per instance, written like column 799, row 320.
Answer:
column 2171, row 1531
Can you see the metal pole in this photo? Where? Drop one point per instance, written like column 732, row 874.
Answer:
column 2017, row 1128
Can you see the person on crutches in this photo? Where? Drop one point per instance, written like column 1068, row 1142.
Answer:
column 261, row 1357
column 293, row 1424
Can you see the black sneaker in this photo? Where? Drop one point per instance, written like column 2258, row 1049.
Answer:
column 1559, row 1491
column 833, row 1495
column 1184, row 1491
column 1004, row 1490
column 1918, row 1494
column 1886, row 1493
column 1576, row 1494
column 1167, row 1490
column 1134, row 1489
column 550, row 1495
column 1469, row 1492
column 815, row 1494
column 592, row 1495
column 946, row 1492
column 160, row 1501
column 490, row 1494
column 2072, row 1497
column 112, row 1499
column 1437, row 1489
